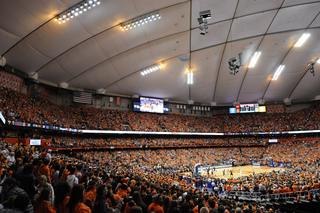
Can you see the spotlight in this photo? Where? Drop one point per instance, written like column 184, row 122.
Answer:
column 203, row 25
column 200, row 20
column 233, row 66
column 311, row 67
column 205, row 14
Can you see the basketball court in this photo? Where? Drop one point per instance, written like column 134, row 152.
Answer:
column 244, row 170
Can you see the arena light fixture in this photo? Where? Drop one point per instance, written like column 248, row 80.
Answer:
column 190, row 77
column 318, row 60
column 311, row 67
column 278, row 72
column 141, row 20
column 76, row 10
column 254, row 59
column 151, row 69
column 302, row 39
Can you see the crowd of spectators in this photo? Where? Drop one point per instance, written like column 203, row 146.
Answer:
column 20, row 107
column 149, row 180
column 80, row 141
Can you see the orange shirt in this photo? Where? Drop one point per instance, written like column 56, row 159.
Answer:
column 45, row 171
column 123, row 193
column 117, row 197
column 89, row 196
column 155, row 208
column 44, row 207
column 81, row 208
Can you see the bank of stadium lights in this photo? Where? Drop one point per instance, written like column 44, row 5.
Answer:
column 254, row 59
column 278, row 72
column 77, row 10
column 152, row 69
column 302, row 39
column 140, row 21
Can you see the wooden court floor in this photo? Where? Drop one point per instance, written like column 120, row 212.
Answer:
column 245, row 171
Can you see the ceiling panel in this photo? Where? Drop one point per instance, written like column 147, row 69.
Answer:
column 296, row 2
column 26, row 58
column 54, row 39
column 169, row 82
column 7, row 40
column 251, row 25
column 96, row 78
column 296, row 17
column 205, row 64
column 246, row 7
column 150, row 54
column 82, row 57
column 54, row 73
column 217, row 34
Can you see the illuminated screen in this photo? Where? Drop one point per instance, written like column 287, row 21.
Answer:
column 262, row 108
column 35, row 142
column 232, row 110
column 247, row 108
column 151, row 105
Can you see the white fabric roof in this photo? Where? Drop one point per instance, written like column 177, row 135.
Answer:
column 92, row 52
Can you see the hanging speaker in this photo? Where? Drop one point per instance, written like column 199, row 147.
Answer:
column 184, row 57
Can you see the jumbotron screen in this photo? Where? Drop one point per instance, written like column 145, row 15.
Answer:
column 151, row 105
column 247, row 108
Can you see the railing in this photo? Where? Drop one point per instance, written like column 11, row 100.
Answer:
column 259, row 197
